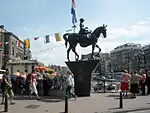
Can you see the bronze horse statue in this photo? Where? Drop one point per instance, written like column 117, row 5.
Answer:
column 74, row 38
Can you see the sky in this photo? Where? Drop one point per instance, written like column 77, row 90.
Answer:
column 128, row 21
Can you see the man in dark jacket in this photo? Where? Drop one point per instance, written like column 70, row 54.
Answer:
column 148, row 82
column 7, row 85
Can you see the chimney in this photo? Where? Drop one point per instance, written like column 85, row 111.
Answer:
column 2, row 26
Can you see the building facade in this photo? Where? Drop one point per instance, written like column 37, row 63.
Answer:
column 103, row 67
column 2, row 31
column 144, row 58
column 125, row 57
column 12, row 48
column 23, row 65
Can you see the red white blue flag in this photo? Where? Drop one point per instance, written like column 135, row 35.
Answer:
column 73, row 3
column 73, row 12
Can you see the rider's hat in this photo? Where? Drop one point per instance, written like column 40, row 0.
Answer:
column 81, row 20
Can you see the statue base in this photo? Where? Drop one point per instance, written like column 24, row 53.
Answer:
column 82, row 71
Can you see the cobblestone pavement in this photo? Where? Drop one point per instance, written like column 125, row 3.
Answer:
column 96, row 103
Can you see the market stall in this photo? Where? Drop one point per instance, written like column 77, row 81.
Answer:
column 45, row 84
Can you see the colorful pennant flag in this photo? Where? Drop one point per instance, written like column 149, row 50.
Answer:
column 58, row 37
column 47, row 39
column 27, row 43
column 73, row 12
column 35, row 38
column 18, row 43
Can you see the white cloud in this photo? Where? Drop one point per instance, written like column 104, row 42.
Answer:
column 148, row 18
column 133, row 31
column 55, row 52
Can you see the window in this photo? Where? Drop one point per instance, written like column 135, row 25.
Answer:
column 26, row 68
column 13, row 49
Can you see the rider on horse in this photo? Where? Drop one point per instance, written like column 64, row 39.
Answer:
column 83, row 30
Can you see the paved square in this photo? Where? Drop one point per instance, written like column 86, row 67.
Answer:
column 96, row 103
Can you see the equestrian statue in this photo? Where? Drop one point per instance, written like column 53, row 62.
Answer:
column 84, row 38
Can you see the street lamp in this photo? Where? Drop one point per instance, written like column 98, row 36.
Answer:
column 4, row 44
column 11, row 66
column 142, row 60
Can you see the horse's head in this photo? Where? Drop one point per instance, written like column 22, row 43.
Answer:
column 100, row 30
column 103, row 30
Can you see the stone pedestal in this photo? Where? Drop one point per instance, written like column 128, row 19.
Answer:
column 82, row 75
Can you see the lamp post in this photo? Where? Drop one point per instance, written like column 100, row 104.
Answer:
column 142, row 60
column 5, row 55
column 11, row 67
column 4, row 44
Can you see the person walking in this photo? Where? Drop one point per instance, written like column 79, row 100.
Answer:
column 135, row 78
column 2, row 87
column 70, row 85
column 33, row 84
column 125, row 82
column 22, row 82
column 143, row 82
column 7, row 87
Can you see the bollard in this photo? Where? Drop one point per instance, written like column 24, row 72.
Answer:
column 66, row 104
column 121, row 100
column 6, row 103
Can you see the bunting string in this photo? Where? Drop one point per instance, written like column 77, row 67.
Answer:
column 48, row 49
column 47, row 38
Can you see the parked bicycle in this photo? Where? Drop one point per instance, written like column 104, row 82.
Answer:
column 109, row 86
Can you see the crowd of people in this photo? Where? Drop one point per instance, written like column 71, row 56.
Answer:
column 30, row 84
column 39, row 80
column 134, row 83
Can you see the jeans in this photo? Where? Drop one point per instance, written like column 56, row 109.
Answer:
column 68, row 91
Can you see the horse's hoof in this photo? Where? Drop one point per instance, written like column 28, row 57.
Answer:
column 77, row 59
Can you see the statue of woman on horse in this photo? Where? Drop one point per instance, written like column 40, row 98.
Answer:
column 81, row 38
column 84, row 30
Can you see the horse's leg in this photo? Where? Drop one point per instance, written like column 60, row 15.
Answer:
column 93, row 47
column 74, row 50
column 68, row 51
column 98, row 48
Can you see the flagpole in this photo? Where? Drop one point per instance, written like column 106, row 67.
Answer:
column 74, row 30
column 74, row 19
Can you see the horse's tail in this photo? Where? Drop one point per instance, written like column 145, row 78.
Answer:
column 65, row 38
